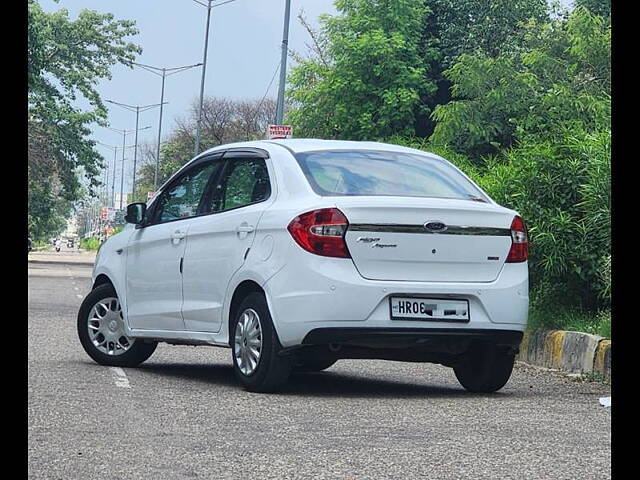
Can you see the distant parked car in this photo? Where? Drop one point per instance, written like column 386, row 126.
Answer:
column 298, row 253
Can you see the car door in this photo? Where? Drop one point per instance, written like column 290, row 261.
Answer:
column 155, row 251
column 217, row 244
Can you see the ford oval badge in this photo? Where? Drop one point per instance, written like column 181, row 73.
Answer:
column 435, row 226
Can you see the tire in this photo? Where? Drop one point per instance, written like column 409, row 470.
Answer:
column 270, row 371
column 309, row 363
column 484, row 368
column 136, row 351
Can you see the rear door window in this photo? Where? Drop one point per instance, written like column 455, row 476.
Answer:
column 244, row 181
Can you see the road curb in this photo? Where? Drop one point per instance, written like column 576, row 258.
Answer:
column 574, row 352
column 87, row 264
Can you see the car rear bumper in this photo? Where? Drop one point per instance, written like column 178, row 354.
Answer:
column 327, row 294
column 403, row 336
column 445, row 346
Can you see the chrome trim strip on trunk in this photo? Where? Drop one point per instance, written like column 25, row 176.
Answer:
column 451, row 229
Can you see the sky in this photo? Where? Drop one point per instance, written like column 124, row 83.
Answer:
column 244, row 51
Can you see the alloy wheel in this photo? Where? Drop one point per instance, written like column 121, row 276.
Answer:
column 247, row 345
column 106, row 327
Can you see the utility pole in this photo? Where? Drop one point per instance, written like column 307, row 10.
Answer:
column 283, row 63
column 124, row 135
column 113, row 177
column 162, row 72
column 137, row 109
column 208, row 6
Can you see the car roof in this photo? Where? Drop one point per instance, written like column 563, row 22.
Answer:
column 299, row 145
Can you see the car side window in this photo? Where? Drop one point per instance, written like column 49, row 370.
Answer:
column 182, row 198
column 244, row 181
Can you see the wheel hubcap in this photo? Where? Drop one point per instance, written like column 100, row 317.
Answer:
column 248, row 341
column 106, row 327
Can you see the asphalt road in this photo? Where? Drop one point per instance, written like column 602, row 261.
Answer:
column 181, row 414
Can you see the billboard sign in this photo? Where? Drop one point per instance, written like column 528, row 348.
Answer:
column 275, row 132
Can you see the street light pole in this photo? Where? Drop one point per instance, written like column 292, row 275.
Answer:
column 135, row 155
column 137, row 109
column 204, row 71
column 113, row 178
column 155, row 178
column 122, row 172
column 165, row 72
column 124, row 132
column 283, row 63
column 208, row 6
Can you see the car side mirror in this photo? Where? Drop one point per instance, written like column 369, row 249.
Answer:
column 135, row 213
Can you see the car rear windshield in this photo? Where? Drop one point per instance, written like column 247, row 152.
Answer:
column 376, row 173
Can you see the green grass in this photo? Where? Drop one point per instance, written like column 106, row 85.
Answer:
column 90, row 243
column 40, row 245
column 564, row 318
column 594, row 377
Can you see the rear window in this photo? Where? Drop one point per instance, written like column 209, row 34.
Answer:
column 373, row 173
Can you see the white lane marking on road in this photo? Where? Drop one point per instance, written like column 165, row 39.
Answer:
column 120, row 377
column 78, row 295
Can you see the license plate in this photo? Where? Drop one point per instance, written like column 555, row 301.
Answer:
column 415, row 308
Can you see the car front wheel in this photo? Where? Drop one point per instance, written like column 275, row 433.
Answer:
column 101, row 331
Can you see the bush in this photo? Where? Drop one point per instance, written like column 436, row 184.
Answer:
column 91, row 243
column 570, row 318
column 563, row 191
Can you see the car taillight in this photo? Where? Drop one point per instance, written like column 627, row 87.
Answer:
column 519, row 251
column 321, row 232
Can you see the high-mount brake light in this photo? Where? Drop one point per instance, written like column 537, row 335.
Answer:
column 519, row 251
column 321, row 232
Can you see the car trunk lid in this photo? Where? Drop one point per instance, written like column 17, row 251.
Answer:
column 466, row 241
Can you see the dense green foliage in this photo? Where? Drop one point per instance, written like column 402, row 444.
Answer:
column 556, row 83
column 518, row 98
column 90, row 243
column 66, row 58
column 378, row 67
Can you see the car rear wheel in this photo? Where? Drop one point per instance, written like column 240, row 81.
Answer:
column 101, row 331
column 485, row 368
column 255, row 347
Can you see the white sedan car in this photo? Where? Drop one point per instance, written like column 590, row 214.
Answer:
column 298, row 253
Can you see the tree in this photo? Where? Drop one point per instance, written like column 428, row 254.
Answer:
column 377, row 69
column 558, row 81
column 66, row 58
column 373, row 77
column 597, row 7
column 223, row 121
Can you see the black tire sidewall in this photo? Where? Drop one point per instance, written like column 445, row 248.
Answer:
column 485, row 369
column 137, row 353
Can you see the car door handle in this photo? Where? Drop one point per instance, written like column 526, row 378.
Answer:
column 245, row 228
column 177, row 236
